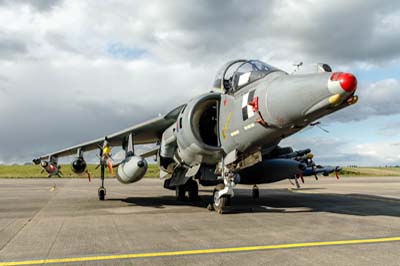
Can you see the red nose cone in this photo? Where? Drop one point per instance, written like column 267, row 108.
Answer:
column 347, row 81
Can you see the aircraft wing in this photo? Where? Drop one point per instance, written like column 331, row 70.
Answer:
column 144, row 133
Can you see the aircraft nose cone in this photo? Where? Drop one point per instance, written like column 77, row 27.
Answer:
column 347, row 81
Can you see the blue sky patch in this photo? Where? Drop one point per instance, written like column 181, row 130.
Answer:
column 119, row 51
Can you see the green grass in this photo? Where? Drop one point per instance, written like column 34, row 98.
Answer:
column 33, row 171
column 371, row 171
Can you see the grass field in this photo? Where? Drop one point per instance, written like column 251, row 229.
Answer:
column 33, row 171
column 371, row 171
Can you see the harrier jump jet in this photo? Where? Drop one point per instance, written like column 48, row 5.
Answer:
column 229, row 135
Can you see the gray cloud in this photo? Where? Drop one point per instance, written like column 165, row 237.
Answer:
column 328, row 150
column 34, row 132
column 347, row 31
column 60, row 84
column 41, row 5
column 376, row 99
column 341, row 33
column 54, row 107
column 10, row 48
column 60, row 42
column 390, row 130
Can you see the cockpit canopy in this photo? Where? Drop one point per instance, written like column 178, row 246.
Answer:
column 238, row 73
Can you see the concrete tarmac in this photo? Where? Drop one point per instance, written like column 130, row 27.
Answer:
column 62, row 218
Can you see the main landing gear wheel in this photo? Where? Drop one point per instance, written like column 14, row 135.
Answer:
column 220, row 203
column 191, row 187
column 255, row 193
column 193, row 190
column 102, row 193
column 180, row 192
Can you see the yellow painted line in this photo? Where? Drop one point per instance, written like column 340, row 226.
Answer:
column 203, row 251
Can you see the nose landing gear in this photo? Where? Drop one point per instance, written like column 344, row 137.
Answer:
column 223, row 192
column 220, row 201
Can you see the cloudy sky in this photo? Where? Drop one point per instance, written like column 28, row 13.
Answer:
column 76, row 70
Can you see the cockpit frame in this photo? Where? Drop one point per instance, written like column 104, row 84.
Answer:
column 232, row 76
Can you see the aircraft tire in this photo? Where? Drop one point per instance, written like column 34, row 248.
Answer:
column 222, row 202
column 180, row 192
column 102, row 193
column 193, row 190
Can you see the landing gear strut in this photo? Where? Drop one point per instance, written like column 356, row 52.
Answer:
column 224, row 192
column 296, row 181
column 191, row 187
column 255, row 193
column 220, row 202
column 193, row 190
column 102, row 190
column 180, row 193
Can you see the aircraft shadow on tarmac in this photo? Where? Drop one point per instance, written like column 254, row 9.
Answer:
column 284, row 201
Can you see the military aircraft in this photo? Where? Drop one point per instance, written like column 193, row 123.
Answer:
column 229, row 135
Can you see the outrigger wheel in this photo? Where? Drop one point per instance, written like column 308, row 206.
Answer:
column 222, row 202
column 102, row 193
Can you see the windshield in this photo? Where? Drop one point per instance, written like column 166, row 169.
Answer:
column 237, row 74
